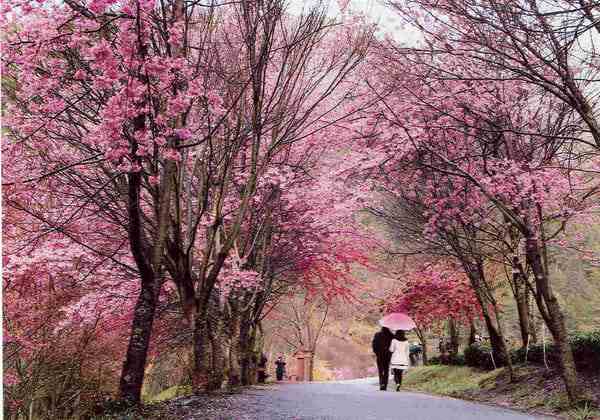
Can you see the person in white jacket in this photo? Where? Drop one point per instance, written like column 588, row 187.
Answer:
column 400, row 362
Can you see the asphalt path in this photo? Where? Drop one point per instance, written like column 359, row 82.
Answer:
column 356, row 400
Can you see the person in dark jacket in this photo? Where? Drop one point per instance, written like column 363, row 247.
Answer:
column 262, row 369
column 381, row 347
column 280, row 368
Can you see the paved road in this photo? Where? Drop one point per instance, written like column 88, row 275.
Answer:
column 355, row 400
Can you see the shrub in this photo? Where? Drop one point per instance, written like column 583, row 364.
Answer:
column 585, row 346
column 458, row 360
column 434, row 361
column 415, row 349
column 586, row 350
column 479, row 356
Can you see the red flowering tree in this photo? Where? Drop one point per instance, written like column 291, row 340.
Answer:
column 433, row 295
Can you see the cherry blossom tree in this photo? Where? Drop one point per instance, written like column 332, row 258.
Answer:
column 66, row 310
column 159, row 120
column 491, row 156
column 549, row 45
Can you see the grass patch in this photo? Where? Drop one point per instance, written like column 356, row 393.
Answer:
column 169, row 394
column 447, row 380
column 532, row 389
column 557, row 402
column 585, row 412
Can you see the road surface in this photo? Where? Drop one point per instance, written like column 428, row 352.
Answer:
column 352, row 400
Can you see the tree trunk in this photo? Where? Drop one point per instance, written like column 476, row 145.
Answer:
column 495, row 340
column 423, row 340
column 521, row 294
column 561, row 338
column 506, row 352
column 132, row 376
column 499, row 350
column 246, row 353
column 235, row 372
column 454, row 337
column 485, row 299
column 523, row 309
column 200, row 373
column 254, row 358
column 472, row 333
column 532, row 327
column 551, row 312
column 216, row 334
column 218, row 363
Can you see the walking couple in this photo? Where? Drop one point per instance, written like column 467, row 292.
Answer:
column 391, row 350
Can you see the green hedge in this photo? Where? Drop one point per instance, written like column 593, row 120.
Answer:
column 434, row 361
column 478, row 355
column 458, row 360
column 586, row 351
column 585, row 346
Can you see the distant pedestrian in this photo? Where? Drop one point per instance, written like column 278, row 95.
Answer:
column 381, row 347
column 280, row 368
column 415, row 352
column 262, row 369
column 443, row 348
column 400, row 362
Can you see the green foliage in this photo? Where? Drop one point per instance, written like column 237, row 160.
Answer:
column 123, row 410
column 458, row 360
column 557, row 402
column 415, row 349
column 117, row 409
column 432, row 361
column 445, row 380
column 170, row 393
column 479, row 356
column 585, row 412
column 586, row 351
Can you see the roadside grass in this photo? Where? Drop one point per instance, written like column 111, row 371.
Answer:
column 447, row 380
column 531, row 390
column 184, row 391
column 585, row 412
column 169, row 394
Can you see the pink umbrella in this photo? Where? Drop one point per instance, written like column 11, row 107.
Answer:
column 397, row 321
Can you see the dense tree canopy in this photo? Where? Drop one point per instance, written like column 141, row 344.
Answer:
column 174, row 170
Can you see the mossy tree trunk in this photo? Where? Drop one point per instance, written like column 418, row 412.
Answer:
column 485, row 297
column 552, row 314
